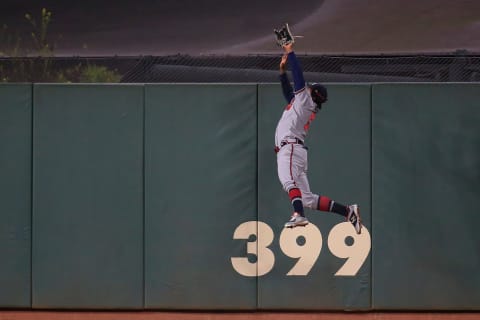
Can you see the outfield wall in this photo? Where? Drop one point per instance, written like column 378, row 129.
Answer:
column 166, row 197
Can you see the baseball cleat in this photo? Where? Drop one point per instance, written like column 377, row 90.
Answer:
column 354, row 217
column 296, row 221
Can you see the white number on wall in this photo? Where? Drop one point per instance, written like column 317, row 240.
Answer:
column 265, row 257
column 307, row 253
column 302, row 243
column 355, row 253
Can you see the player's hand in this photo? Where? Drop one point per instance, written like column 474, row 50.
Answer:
column 288, row 48
column 283, row 63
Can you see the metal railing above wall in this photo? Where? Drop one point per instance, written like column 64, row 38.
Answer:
column 460, row 66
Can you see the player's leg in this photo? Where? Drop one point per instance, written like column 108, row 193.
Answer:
column 290, row 161
column 324, row 203
column 308, row 198
column 350, row 212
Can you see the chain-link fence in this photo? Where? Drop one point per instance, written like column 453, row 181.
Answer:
column 460, row 66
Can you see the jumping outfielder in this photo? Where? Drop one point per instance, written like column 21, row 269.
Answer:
column 303, row 104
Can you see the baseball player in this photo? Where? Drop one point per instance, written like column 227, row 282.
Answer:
column 304, row 101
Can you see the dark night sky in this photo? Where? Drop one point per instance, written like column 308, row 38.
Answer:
column 238, row 27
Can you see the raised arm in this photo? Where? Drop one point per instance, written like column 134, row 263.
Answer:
column 286, row 86
column 298, row 80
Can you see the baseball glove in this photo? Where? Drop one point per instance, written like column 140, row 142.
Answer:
column 283, row 35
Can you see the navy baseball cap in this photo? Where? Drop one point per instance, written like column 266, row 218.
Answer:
column 319, row 93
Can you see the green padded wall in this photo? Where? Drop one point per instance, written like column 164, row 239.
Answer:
column 339, row 167
column 149, row 197
column 426, row 187
column 200, row 185
column 15, row 194
column 88, row 196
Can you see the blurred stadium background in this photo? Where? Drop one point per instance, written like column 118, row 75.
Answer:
column 220, row 41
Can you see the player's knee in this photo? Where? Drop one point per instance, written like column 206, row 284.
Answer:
column 289, row 185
